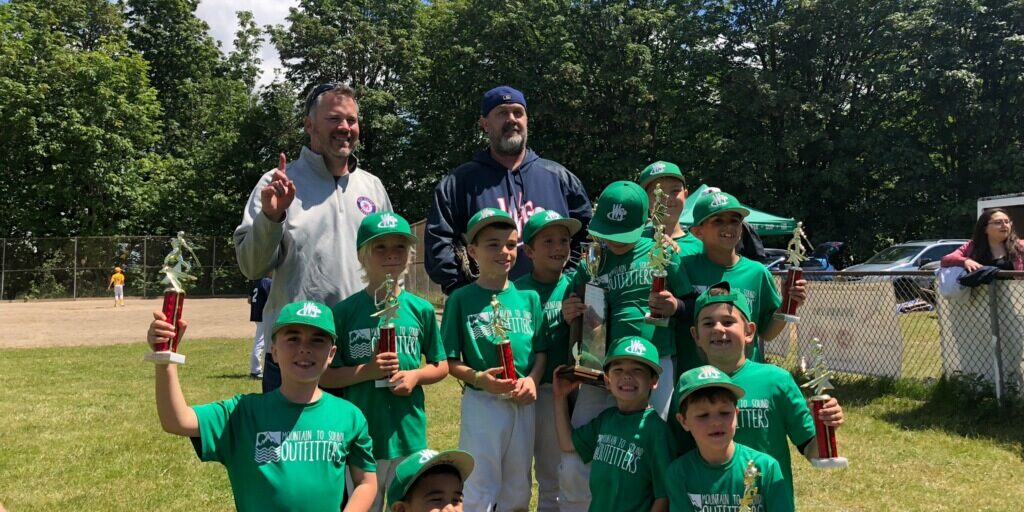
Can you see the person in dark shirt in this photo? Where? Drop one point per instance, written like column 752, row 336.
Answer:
column 258, row 293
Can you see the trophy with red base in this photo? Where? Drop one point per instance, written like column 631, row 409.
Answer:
column 499, row 326
column 587, row 344
column 659, row 255
column 175, row 270
column 387, row 310
column 797, row 254
column 828, row 455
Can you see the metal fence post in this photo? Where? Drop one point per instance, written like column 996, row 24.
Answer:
column 213, row 268
column 3, row 268
column 145, row 239
column 993, row 308
column 74, row 274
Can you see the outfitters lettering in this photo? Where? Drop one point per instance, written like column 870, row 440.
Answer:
column 517, row 320
column 627, row 277
column 552, row 312
column 363, row 342
column 722, row 502
column 299, row 446
column 754, row 413
column 618, row 453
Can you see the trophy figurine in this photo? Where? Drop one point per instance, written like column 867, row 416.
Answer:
column 175, row 270
column 750, row 475
column 386, row 301
column 828, row 456
column 499, row 328
column 587, row 333
column 796, row 254
column 660, row 254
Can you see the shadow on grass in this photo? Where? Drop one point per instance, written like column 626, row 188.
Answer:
column 243, row 376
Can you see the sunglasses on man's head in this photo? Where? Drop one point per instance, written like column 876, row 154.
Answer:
column 317, row 91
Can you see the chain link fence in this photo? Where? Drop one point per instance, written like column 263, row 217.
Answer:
column 895, row 325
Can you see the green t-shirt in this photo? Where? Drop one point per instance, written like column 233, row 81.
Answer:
column 628, row 454
column 281, row 455
column 627, row 279
column 696, row 486
column 554, row 330
column 747, row 275
column 398, row 424
column 772, row 410
column 466, row 327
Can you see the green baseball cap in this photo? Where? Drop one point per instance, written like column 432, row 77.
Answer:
column 634, row 348
column 705, row 377
column 376, row 225
column 309, row 313
column 713, row 203
column 660, row 169
column 543, row 219
column 722, row 293
column 621, row 213
column 484, row 218
column 418, row 463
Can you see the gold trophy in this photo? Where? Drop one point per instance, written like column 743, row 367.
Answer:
column 828, row 455
column 386, row 301
column 176, row 271
column 750, row 475
column 660, row 254
column 588, row 332
column 797, row 254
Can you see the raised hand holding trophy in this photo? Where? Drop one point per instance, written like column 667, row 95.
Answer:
column 797, row 253
column 828, row 455
column 750, row 475
column 660, row 253
column 587, row 333
column 386, row 301
column 175, row 270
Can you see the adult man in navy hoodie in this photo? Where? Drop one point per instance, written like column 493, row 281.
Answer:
column 506, row 175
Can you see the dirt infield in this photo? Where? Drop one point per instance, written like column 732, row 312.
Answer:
column 97, row 322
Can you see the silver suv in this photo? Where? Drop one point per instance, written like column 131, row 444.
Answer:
column 907, row 256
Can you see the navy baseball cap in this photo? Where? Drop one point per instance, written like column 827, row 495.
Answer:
column 499, row 96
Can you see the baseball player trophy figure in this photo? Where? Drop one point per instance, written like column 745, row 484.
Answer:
column 176, row 271
column 499, row 328
column 750, row 475
column 660, row 253
column 384, row 297
column 826, row 436
column 797, row 253
column 587, row 333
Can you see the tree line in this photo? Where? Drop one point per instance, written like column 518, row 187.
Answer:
column 870, row 120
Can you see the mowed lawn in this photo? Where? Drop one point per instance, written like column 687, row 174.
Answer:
column 80, row 433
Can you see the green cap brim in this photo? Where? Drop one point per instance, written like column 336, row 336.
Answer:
column 742, row 211
column 601, row 230
column 736, row 390
column 574, row 226
column 462, row 462
column 654, row 366
column 489, row 221
column 409, row 237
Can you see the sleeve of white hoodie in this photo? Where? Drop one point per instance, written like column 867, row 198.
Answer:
column 257, row 238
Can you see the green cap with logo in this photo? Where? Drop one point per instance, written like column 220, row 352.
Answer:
column 705, row 377
column 634, row 348
column 309, row 313
column 713, row 203
column 621, row 213
column 660, row 169
column 543, row 219
column 721, row 293
column 376, row 225
column 484, row 218
column 418, row 463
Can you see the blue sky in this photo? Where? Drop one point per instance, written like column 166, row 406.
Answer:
column 220, row 15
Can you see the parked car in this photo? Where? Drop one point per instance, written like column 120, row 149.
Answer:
column 904, row 257
column 774, row 259
column 827, row 257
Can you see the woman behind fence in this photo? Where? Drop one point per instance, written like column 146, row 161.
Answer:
column 994, row 243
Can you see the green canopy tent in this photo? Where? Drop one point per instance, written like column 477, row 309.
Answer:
column 765, row 224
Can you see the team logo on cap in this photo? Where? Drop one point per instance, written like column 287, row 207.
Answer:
column 426, row 455
column 719, row 200
column 309, row 310
column 506, row 97
column 366, row 205
column 709, row 372
column 387, row 221
column 553, row 215
column 487, row 212
column 658, row 168
column 636, row 348
column 618, row 212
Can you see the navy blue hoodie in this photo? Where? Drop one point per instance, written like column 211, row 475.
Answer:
column 537, row 185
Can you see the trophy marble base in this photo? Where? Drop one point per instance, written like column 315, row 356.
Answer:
column 833, row 463
column 386, row 383
column 658, row 321
column 791, row 319
column 164, row 357
column 582, row 374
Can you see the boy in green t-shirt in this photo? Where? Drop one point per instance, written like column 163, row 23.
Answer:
column 287, row 449
column 628, row 446
column 430, row 481
column 546, row 238
column 713, row 474
column 718, row 219
column 773, row 410
column 668, row 175
column 497, row 412
column 395, row 413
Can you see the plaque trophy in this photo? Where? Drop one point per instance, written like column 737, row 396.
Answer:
column 659, row 255
column 828, row 456
column 499, row 328
column 750, row 475
column 796, row 254
column 588, row 332
column 175, row 270
column 386, row 301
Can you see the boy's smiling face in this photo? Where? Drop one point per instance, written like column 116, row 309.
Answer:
column 388, row 254
column 722, row 231
column 494, row 249
column 439, row 492
column 712, row 422
column 676, row 195
column 723, row 333
column 549, row 248
column 303, row 352
column 630, row 381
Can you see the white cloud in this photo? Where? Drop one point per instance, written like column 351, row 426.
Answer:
column 220, row 15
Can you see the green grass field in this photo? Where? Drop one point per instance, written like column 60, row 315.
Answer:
column 80, row 432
